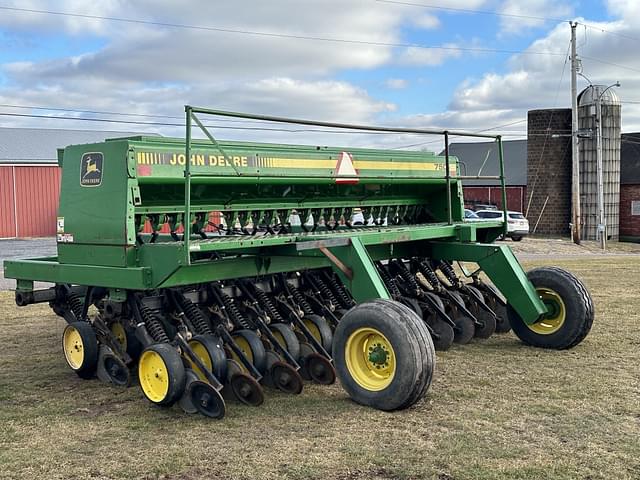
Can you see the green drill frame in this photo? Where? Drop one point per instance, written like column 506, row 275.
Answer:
column 110, row 188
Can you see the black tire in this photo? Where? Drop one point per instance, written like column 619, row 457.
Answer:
column 578, row 311
column 319, row 327
column 80, row 347
column 427, row 350
column 214, row 351
column 516, row 238
column 489, row 321
column 249, row 340
column 284, row 334
column 172, row 373
column 412, row 348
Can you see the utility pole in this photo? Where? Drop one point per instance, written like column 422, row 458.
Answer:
column 575, row 176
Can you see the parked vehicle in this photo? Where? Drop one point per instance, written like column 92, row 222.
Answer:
column 517, row 224
column 470, row 215
column 484, row 206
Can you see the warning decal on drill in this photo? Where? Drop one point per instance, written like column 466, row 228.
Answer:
column 345, row 171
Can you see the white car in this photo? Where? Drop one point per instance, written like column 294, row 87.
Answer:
column 517, row 225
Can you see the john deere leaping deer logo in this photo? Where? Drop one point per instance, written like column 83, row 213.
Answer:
column 91, row 169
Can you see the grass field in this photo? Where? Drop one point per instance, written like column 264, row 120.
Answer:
column 496, row 410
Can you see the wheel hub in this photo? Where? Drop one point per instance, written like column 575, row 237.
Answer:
column 370, row 359
column 378, row 355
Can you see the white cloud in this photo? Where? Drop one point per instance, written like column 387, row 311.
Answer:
column 149, row 69
column 396, row 83
column 426, row 21
column 531, row 14
column 428, row 57
column 533, row 81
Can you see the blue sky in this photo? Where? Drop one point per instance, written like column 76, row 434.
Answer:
column 92, row 64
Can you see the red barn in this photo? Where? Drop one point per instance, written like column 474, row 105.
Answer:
column 30, row 177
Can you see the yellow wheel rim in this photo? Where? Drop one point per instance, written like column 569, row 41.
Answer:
column 370, row 359
column 154, row 376
column 243, row 344
column 121, row 335
column 554, row 319
column 73, row 347
column 279, row 338
column 313, row 329
column 203, row 354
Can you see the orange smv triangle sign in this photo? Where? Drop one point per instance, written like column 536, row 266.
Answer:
column 345, row 171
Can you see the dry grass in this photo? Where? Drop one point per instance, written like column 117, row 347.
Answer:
column 496, row 410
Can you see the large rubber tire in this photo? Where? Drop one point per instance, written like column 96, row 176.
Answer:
column 320, row 330
column 250, row 343
column 407, row 346
column 80, row 347
column 571, row 321
column 161, row 374
column 286, row 338
column 427, row 350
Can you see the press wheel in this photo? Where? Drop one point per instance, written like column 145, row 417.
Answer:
column 161, row 374
column 209, row 351
column 80, row 347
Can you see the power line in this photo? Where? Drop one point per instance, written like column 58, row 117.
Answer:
column 609, row 32
column 123, row 114
column 507, row 15
column 611, row 63
column 476, row 131
column 172, row 124
column 468, row 10
column 276, row 35
column 223, row 127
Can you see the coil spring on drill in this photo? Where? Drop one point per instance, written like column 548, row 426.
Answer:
column 154, row 326
column 326, row 291
column 406, row 274
column 426, row 270
column 300, row 300
column 388, row 281
column 236, row 317
column 338, row 289
column 196, row 317
column 265, row 301
column 76, row 305
column 449, row 272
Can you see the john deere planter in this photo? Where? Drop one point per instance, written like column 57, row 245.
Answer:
column 208, row 270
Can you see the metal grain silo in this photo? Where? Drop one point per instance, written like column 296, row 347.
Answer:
column 610, row 113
